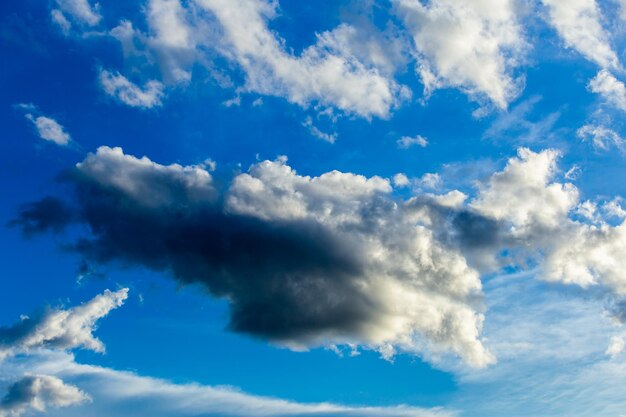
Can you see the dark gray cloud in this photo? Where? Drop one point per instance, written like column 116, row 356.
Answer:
column 48, row 214
column 303, row 261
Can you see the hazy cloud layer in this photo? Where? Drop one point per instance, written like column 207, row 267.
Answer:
column 126, row 394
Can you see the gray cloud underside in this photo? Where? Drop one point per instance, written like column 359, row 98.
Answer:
column 309, row 261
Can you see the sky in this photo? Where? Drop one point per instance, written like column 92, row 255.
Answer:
column 390, row 208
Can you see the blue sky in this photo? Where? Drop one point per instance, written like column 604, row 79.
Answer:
column 338, row 208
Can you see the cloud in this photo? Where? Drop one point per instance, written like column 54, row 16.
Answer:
column 37, row 393
column 304, row 261
column 405, row 142
column 610, row 88
column 578, row 22
column 616, row 346
column 61, row 21
column 47, row 128
column 401, row 180
column 552, row 344
column 126, row 394
column 330, row 77
column 80, row 11
column 49, row 378
column 601, row 138
column 310, row 261
column 341, row 70
column 523, row 195
column 119, row 87
column 472, row 45
column 60, row 329
column 315, row 131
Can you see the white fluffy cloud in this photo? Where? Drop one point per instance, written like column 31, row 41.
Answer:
column 405, row 142
column 579, row 23
column 319, row 74
column 523, row 195
column 49, row 129
column 540, row 215
column 80, row 11
column 37, row 393
column 341, row 70
column 60, row 329
column 610, row 88
column 471, row 45
column 119, row 87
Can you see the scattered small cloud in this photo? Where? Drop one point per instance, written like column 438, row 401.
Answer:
column 610, row 88
column 405, row 142
column 47, row 128
column 119, row 87
column 601, row 137
column 315, row 131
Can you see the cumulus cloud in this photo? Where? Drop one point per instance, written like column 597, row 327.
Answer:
column 610, row 88
column 579, row 23
column 37, row 393
column 47, row 128
column 405, row 142
column 341, row 70
column 472, row 45
column 304, row 261
column 320, row 73
column 60, row 329
column 80, row 11
column 119, row 87
column 601, row 138
column 337, row 258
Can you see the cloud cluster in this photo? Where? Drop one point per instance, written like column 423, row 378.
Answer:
column 328, row 73
column 126, row 394
column 337, row 259
column 38, row 393
column 610, row 88
column 472, row 45
column 47, row 128
column 304, row 261
column 55, row 329
column 60, row 329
